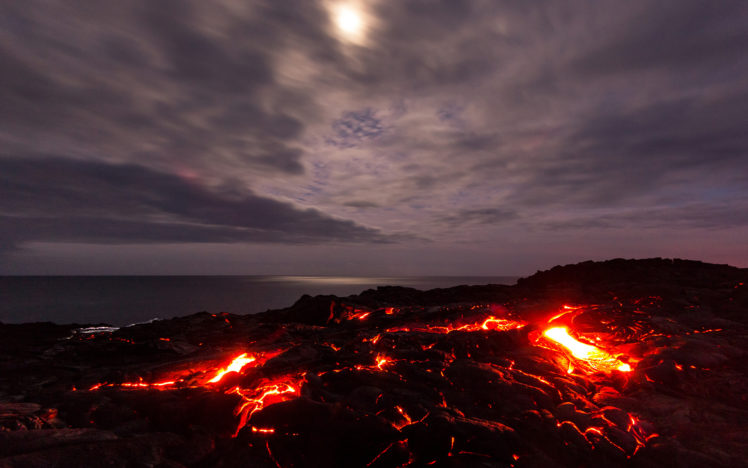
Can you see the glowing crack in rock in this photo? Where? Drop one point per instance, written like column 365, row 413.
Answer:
column 491, row 323
column 255, row 399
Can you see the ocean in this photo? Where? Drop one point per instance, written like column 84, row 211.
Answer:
column 124, row 300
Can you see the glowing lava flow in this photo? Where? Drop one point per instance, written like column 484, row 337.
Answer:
column 380, row 362
column 595, row 357
column 140, row 384
column 236, row 365
column 359, row 316
column 491, row 323
column 255, row 399
column 257, row 393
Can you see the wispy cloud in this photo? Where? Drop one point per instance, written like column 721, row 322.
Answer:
column 54, row 199
column 254, row 122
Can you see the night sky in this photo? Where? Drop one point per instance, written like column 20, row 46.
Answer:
column 370, row 137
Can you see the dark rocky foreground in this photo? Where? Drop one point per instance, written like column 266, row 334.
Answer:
column 457, row 377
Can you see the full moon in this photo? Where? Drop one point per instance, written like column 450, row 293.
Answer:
column 349, row 22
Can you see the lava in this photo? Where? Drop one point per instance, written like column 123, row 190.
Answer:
column 168, row 383
column 272, row 390
column 494, row 323
column 236, row 366
column 383, row 361
column 263, row 430
column 491, row 323
column 139, row 384
column 255, row 399
column 379, row 362
column 405, row 416
column 593, row 356
column 448, row 380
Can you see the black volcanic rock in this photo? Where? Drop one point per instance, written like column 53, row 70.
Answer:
column 399, row 377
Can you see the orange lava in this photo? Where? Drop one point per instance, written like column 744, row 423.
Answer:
column 140, row 384
column 406, row 419
column 379, row 362
column 255, row 399
column 149, row 385
column 262, row 430
column 382, row 361
column 255, row 396
column 593, row 356
column 491, row 323
column 236, row 366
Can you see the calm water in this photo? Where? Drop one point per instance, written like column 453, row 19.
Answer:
column 123, row 300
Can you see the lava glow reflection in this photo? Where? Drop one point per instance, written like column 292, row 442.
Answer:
column 593, row 356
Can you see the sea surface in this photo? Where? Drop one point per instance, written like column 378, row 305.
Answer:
column 124, row 300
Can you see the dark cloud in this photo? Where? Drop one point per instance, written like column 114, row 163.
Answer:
column 622, row 154
column 361, row 204
column 548, row 115
column 195, row 59
column 655, row 109
column 154, row 83
column 64, row 200
column 711, row 216
column 451, row 112
column 672, row 36
column 480, row 216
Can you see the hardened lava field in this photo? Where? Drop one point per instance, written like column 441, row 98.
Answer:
column 619, row 363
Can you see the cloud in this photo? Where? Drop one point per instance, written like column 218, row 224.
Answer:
column 491, row 115
column 620, row 155
column 354, row 128
column 710, row 216
column 361, row 204
column 670, row 36
column 480, row 216
column 54, row 199
column 161, row 85
column 198, row 60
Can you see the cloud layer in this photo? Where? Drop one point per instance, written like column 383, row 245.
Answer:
column 55, row 199
column 437, row 123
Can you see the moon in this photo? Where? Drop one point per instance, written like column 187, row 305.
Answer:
column 349, row 21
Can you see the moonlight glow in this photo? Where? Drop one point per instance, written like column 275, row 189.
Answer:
column 349, row 21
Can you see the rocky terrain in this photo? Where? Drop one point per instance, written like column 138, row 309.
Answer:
column 617, row 363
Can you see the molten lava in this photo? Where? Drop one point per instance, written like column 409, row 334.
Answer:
column 593, row 356
column 448, row 378
column 236, row 366
column 359, row 315
column 382, row 361
column 255, row 399
column 139, row 384
column 256, row 395
column 491, row 323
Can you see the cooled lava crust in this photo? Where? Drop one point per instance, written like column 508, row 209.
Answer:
column 617, row 363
